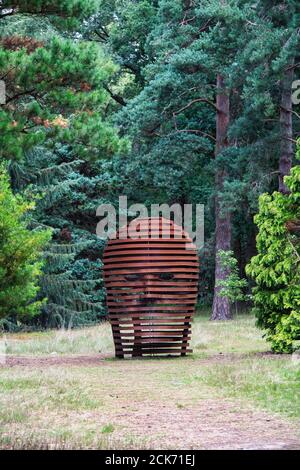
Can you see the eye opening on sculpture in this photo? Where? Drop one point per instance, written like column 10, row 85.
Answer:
column 133, row 277
column 165, row 276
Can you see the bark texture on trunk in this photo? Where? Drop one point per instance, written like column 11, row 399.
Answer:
column 221, row 305
column 286, row 128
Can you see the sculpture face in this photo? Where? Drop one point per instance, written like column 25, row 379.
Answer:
column 151, row 285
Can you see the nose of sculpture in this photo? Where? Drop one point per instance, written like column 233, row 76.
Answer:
column 146, row 284
column 147, row 295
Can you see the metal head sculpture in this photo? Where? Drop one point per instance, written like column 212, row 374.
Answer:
column 151, row 281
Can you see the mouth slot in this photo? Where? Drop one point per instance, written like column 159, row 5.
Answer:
column 150, row 301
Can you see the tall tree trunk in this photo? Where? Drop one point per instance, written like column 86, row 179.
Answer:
column 286, row 128
column 221, row 305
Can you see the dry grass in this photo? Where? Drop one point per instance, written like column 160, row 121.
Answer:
column 240, row 335
column 87, row 340
column 229, row 394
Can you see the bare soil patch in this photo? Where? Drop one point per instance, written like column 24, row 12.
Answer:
column 100, row 359
column 166, row 403
column 211, row 424
column 55, row 360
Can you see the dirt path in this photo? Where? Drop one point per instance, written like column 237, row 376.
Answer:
column 55, row 360
column 167, row 422
column 100, row 359
column 210, row 425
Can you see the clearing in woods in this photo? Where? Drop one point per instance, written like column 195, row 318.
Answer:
column 64, row 389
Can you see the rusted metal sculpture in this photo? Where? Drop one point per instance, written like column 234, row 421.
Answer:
column 151, row 281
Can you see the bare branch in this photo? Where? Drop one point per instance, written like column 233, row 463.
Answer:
column 194, row 131
column 18, row 95
column 294, row 249
column 296, row 114
column 197, row 100
column 119, row 99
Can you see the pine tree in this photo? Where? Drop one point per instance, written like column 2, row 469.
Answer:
column 72, row 274
column 53, row 92
column 54, row 85
column 54, row 133
column 69, row 12
column 270, row 60
column 183, row 116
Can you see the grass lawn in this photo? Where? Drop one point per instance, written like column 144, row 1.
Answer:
column 65, row 389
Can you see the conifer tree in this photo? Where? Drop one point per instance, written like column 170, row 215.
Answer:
column 276, row 267
column 184, row 114
column 270, row 60
column 20, row 254
column 68, row 10
column 52, row 91
column 54, row 134
column 70, row 189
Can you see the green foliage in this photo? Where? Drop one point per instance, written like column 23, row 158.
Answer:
column 55, row 135
column 122, row 27
column 171, row 121
column 72, row 275
column 232, row 286
column 63, row 13
column 20, row 254
column 74, row 68
column 276, row 268
column 54, row 92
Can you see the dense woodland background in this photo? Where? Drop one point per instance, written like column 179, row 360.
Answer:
column 163, row 101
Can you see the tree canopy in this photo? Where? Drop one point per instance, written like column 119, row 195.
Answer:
column 164, row 102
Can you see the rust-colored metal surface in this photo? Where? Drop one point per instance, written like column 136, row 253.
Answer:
column 151, row 281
